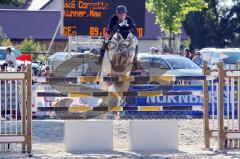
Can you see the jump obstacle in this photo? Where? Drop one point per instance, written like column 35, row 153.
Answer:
column 227, row 136
column 158, row 139
column 100, row 93
column 223, row 127
column 83, row 79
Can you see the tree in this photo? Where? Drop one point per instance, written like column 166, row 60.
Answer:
column 171, row 13
column 6, row 42
column 2, row 36
column 29, row 45
column 233, row 21
column 201, row 27
column 12, row 2
column 215, row 26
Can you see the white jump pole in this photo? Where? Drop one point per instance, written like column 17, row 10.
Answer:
column 228, row 102
column 232, row 102
column 5, row 111
column 16, row 107
column 213, row 103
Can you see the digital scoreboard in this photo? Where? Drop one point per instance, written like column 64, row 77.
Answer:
column 91, row 17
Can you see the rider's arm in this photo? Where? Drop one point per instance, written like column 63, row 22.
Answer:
column 112, row 26
column 132, row 25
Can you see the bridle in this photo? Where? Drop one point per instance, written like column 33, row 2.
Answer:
column 129, row 42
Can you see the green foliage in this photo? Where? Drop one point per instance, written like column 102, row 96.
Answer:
column 171, row 13
column 12, row 2
column 6, row 42
column 1, row 38
column 29, row 45
column 215, row 26
column 186, row 43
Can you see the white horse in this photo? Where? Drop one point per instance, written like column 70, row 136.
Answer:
column 117, row 61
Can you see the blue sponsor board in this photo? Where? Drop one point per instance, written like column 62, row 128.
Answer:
column 183, row 114
column 182, row 100
column 186, row 100
column 175, row 101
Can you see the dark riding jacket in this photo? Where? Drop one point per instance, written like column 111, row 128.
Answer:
column 113, row 26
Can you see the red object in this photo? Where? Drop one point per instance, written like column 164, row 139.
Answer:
column 25, row 57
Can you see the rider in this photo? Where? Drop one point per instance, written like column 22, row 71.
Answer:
column 119, row 22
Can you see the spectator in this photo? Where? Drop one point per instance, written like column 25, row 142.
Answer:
column 154, row 50
column 191, row 54
column 11, row 60
column 47, row 73
column 197, row 58
column 187, row 53
column 165, row 51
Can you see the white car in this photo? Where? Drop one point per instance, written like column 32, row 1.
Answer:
column 230, row 57
column 169, row 65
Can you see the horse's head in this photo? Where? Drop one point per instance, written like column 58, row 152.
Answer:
column 121, row 51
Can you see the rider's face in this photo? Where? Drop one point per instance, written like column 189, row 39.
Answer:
column 122, row 16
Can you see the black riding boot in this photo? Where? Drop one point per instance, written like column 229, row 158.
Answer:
column 103, row 50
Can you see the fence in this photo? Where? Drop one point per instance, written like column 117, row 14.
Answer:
column 16, row 111
column 223, row 124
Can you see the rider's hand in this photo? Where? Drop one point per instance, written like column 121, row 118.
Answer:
column 123, row 23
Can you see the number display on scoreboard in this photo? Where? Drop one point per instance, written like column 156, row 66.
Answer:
column 91, row 17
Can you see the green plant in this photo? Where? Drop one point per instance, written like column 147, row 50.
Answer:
column 6, row 42
column 186, row 43
column 12, row 2
column 171, row 13
column 29, row 45
column 216, row 26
